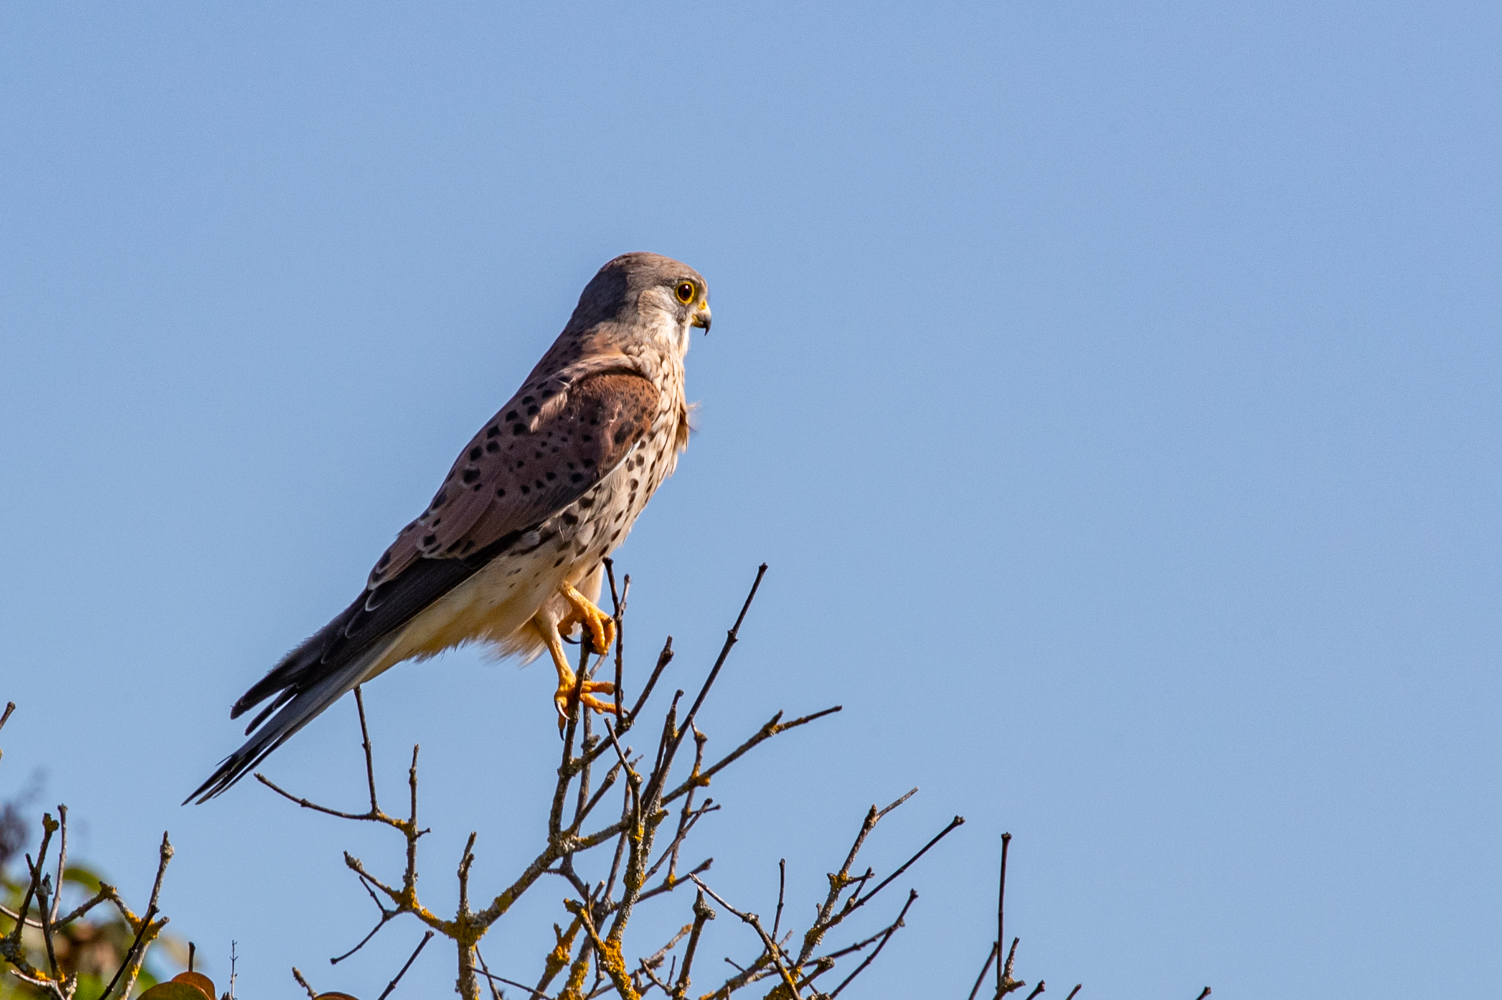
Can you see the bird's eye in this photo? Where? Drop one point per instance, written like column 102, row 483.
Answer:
column 685, row 292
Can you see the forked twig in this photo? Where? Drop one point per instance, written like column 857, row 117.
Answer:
column 773, row 950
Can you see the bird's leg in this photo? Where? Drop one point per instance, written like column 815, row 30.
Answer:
column 551, row 631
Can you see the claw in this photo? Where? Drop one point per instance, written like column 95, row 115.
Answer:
column 568, row 683
column 599, row 626
column 599, row 630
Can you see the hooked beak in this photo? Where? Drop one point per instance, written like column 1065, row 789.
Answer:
column 701, row 317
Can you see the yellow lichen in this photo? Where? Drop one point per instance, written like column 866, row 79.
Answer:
column 614, row 966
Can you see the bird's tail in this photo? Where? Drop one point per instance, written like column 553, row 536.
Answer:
column 300, row 709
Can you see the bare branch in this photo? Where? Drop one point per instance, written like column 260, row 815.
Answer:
column 42, row 886
column 910, row 793
column 702, row 915
column 663, row 659
column 131, row 954
column 990, row 957
column 420, row 946
column 297, row 974
column 782, row 885
column 618, row 606
column 911, row 897
column 105, row 892
column 773, row 727
column 485, row 971
column 1008, row 984
column 773, row 951
column 660, row 955
column 511, row 982
column 14, row 941
column 1001, row 899
column 731, row 637
column 8, row 912
column 857, row 903
column 62, row 860
column 369, row 757
column 385, row 916
column 306, row 804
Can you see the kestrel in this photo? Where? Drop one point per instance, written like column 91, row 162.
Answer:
column 509, row 551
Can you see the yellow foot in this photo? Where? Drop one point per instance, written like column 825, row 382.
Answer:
column 568, row 683
column 599, row 627
column 599, row 634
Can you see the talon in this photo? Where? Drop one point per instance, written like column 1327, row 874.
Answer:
column 567, row 682
column 599, row 626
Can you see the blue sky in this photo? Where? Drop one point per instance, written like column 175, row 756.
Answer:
column 1112, row 389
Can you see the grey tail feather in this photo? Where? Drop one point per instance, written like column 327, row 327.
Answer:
column 304, row 707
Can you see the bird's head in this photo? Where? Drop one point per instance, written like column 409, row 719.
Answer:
column 648, row 294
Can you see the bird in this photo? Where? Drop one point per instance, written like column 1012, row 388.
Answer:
column 510, row 551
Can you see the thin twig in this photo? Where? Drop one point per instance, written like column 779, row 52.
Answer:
column 702, row 915
column 130, row 955
column 385, row 916
column 420, row 946
column 618, row 606
column 12, row 914
column 62, row 859
column 297, row 974
column 31, row 888
column 512, row 982
column 782, row 884
column 45, row 907
column 731, row 638
column 1001, row 899
column 1036, row 990
column 954, row 824
column 990, row 957
column 306, row 804
column 912, row 895
column 773, row 727
column 910, row 793
column 663, row 659
column 485, row 971
column 1008, row 984
column 104, row 894
column 772, row 949
column 365, row 745
column 1074, row 991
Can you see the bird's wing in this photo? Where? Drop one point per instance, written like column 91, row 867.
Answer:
column 542, row 451
column 535, row 457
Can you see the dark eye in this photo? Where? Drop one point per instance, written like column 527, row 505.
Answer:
column 685, row 292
